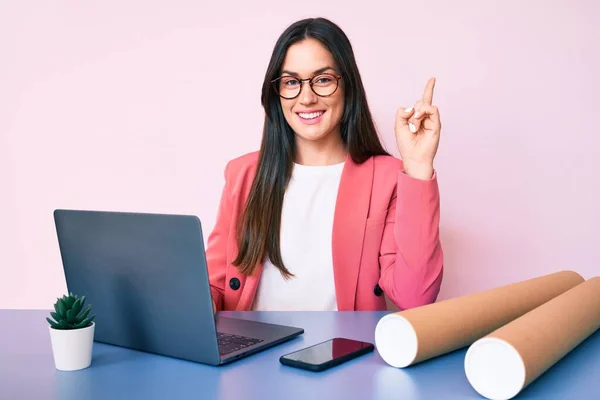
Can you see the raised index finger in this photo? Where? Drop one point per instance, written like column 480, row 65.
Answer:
column 428, row 94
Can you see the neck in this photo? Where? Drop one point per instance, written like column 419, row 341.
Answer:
column 327, row 151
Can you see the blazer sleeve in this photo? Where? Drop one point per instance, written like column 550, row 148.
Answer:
column 216, row 249
column 411, row 256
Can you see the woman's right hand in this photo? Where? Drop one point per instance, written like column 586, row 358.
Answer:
column 214, row 307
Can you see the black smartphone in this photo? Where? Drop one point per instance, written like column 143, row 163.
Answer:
column 324, row 355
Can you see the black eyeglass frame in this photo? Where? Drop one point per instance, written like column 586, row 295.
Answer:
column 337, row 77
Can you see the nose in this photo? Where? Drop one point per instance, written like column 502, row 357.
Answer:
column 306, row 96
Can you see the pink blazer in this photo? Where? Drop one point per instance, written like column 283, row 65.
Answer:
column 385, row 237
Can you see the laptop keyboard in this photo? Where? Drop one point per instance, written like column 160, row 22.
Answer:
column 229, row 343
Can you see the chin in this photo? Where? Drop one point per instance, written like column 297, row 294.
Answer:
column 311, row 138
column 312, row 134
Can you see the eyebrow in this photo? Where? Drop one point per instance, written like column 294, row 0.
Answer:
column 319, row 71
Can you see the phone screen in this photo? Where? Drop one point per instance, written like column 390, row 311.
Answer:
column 327, row 351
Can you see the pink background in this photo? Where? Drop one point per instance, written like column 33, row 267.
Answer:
column 137, row 106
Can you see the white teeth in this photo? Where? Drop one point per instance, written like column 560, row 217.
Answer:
column 312, row 115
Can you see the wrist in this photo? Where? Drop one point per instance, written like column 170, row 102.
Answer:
column 423, row 171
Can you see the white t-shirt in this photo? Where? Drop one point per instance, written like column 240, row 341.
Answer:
column 305, row 243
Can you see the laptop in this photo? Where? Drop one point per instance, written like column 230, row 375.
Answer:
column 146, row 278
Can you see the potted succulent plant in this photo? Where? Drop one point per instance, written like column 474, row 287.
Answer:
column 71, row 333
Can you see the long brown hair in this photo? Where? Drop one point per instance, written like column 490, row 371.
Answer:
column 259, row 225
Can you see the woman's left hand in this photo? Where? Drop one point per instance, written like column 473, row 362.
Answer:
column 418, row 135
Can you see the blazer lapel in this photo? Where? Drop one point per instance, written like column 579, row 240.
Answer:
column 352, row 207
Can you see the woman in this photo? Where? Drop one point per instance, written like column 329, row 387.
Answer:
column 322, row 217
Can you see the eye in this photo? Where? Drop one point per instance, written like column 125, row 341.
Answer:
column 323, row 80
column 289, row 82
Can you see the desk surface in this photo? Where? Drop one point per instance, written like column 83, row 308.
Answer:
column 27, row 368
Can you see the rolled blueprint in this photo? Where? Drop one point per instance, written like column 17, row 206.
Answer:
column 408, row 337
column 504, row 362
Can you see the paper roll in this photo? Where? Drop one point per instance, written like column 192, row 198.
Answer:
column 408, row 337
column 504, row 362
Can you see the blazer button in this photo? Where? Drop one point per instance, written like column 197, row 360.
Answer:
column 377, row 290
column 234, row 283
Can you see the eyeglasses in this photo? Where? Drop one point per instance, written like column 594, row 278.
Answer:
column 289, row 87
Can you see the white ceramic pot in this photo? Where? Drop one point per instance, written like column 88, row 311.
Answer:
column 72, row 348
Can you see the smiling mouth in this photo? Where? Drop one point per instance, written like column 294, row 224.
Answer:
column 311, row 115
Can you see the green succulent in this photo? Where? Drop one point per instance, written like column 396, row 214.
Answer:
column 69, row 313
